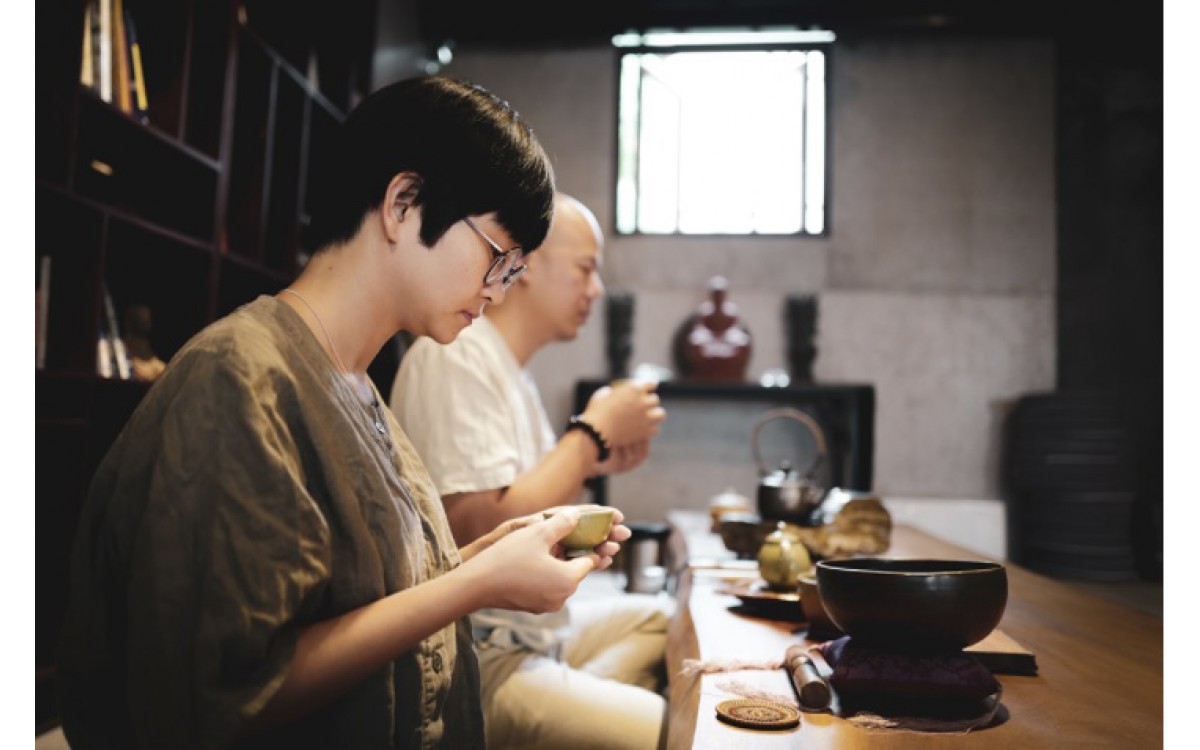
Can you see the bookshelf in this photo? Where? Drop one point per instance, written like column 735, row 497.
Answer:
column 192, row 208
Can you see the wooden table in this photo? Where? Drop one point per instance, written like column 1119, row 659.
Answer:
column 1100, row 663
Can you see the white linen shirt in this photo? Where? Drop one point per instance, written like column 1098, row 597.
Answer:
column 474, row 415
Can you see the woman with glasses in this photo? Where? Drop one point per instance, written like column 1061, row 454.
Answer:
column 262, row 560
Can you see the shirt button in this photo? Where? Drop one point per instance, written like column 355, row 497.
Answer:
column 437, row 661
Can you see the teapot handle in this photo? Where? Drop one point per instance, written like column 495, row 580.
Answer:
column 799, row 416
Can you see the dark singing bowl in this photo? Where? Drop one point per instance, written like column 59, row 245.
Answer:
column 914, row 605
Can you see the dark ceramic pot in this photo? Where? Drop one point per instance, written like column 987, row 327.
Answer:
column 917, row 606
column 743, row 533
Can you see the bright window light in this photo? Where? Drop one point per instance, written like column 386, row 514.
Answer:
column 722, row 37
column 722, row 140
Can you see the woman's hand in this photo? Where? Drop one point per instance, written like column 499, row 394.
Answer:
column 523, row 567
column 502, row 530
column 607, row 549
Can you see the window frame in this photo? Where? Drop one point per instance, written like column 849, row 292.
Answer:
column 826, row 47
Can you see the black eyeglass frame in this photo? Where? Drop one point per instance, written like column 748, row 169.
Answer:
column 504, row 267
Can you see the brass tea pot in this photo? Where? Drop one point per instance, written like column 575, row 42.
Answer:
column 784, row 494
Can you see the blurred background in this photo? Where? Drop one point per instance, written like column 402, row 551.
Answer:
column 994, row 233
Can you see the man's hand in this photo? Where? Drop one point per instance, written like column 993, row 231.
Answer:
column 627, row 413
column 624, row 458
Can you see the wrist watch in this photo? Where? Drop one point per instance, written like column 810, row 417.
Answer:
column 579, row 423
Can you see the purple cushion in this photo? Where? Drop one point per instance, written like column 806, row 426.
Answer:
column 863, row 672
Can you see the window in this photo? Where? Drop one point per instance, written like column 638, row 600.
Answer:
column 722, row 134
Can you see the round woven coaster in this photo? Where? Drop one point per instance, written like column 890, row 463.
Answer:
column 756, row 714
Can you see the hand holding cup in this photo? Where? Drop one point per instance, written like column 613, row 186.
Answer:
column 598, row 530
column 525, row 569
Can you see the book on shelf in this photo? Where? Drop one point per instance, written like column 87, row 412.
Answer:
column 141, row 106
column 104, row 50
column 104, row 355
column 87, row 70
column 95, row 69
column 112, row 359
column 121, row 71
column 112, row 57
column 42, row 316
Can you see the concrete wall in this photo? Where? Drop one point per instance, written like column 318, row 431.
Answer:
column 936, row 282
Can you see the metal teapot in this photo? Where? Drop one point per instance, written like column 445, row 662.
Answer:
column 784, row 494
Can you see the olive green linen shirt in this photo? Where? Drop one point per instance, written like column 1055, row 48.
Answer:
column 250, row 495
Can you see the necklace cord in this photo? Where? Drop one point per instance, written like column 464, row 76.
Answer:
column 324, row 330
column 332, row 348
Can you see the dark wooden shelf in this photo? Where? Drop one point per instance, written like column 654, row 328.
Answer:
column 78, row 417
column 54, row 379
column 254, row 266
column 294, row 74
column 300, row 31
column 205, row 104
column 126, row 216
column 121, row 163
column 193, row 213
column 170, row 278
column 152, row 131
column 242, row 281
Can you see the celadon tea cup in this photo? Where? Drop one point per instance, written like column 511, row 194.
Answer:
column 595, row 524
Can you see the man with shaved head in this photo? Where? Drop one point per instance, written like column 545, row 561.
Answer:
column 583, row 677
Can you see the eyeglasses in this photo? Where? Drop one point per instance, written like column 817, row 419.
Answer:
column 506, row 266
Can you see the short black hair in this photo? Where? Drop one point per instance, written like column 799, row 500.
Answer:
column 473, row 152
